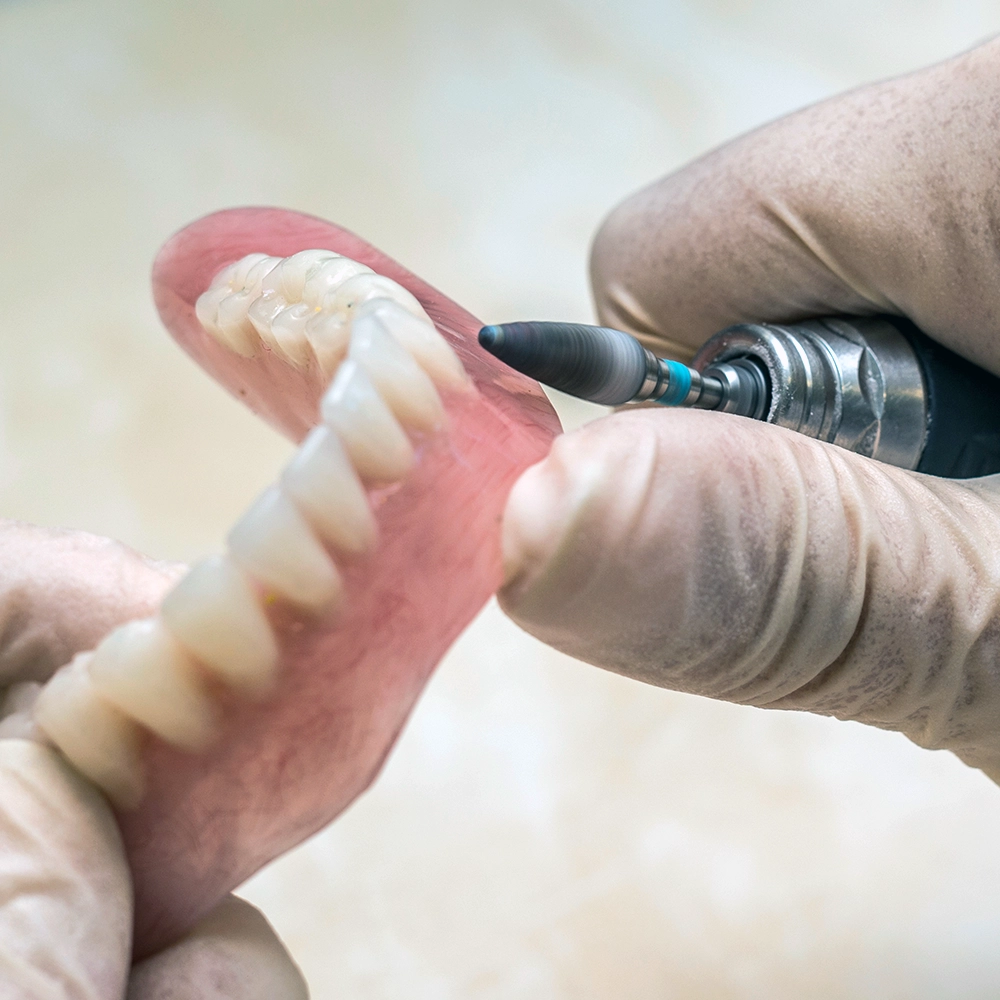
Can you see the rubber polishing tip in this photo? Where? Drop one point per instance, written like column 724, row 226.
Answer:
column 490, row 338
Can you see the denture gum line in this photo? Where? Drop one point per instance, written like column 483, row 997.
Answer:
column 387, row 361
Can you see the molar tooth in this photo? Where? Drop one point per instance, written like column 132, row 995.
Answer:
column 213, row 612
column 401, row 382
column 420, row 337
column 288, row 329
column 323, row 484
column 233, row 326
column 329, row 336
column 236, row 274
column 262, row 313
column 206, row 308
column 274, row 543
column 378, row 447
column 330, row 276
column 224, row 278
column 362, row 287
column 259, row 271
column 93, row 735
column 145, row 672
column 289, row 277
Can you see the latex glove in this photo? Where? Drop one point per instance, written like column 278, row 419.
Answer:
column 65, row 887
column 730, row 558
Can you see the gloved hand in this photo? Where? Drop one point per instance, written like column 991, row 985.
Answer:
column 65, row 887
column 713, row 554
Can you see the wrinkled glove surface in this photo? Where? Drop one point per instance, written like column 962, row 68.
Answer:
column 734, row 559
column 65, row 886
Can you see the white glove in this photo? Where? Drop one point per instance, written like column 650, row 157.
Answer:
column 733, row 559
column 65, row 886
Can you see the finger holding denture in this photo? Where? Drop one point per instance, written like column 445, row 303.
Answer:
column 387, row 362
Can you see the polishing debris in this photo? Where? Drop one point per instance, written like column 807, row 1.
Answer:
column 610, row 367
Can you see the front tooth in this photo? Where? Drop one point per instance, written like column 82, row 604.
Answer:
column 274, row 543
column 213, row 612
column 328, row 277
column 401, row 382
column 372, row 437
column 289, row 277
column 421, row 338
column 323, row 484
column 93, row 735
column 362, row 287
column 144, row 671
column 288, row 329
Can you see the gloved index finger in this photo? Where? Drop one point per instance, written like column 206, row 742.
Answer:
column 874, row 201
column 62, row 591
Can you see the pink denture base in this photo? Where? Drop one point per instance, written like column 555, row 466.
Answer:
column 285, row 768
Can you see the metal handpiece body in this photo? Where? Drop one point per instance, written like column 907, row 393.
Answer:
column 876, row 386
column 857, row 384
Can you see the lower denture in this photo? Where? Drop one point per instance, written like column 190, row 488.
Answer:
column 281, row 769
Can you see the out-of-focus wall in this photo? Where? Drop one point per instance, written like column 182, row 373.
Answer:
column 543, row 829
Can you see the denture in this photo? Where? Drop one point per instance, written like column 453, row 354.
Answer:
column 265, row 695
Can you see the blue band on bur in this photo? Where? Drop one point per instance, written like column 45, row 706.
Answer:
column 678, row 384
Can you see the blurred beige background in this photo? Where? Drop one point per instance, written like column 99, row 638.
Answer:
column 543, row 829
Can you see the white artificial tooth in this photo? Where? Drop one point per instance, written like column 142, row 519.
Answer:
column 330, row 276
column 93, row 735
column 401, row 382
column 290, row 275
column 421, row 338
column 362, row 287
column 145, row 672
column 264, row 308
column 234, row 328
column 206, row 308
column 288, row 330
column 329, row 336
column 258, row 272
column 213, row 612
column 274, row 543
column 223, row 279
column 322, row 483
column 377, row 446
column 272, row 283
column 238, row 272
column 261, row 314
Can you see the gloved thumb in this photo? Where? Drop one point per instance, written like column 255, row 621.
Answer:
column 232, row 954
column 716, row 555
column 65, row 887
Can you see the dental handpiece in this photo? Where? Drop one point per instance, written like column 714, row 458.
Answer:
column 876, row 386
